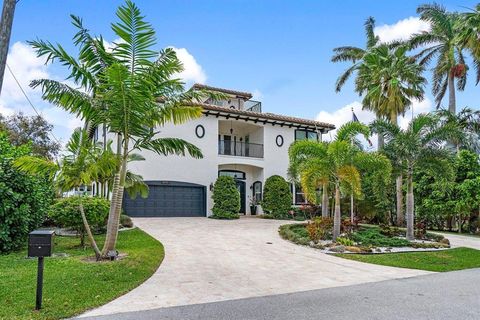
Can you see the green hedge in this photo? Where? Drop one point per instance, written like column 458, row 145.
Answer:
column 24, row 199
column 277, row 197
column 226, row 199
column 65, row 213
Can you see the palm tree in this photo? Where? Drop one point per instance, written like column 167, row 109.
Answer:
column 337, row 162
column 130, row 89
column 469, row 34
column 391, row 81
column 421, row 144
column 466, row 121
column 442, row 44
column 80, row 166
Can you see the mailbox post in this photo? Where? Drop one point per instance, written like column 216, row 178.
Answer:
column 40, row 245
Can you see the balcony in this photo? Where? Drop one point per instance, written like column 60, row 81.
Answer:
column 254, row 106
column 240, row 149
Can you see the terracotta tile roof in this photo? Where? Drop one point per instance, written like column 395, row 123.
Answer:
column 267, row 116
column 241, row 94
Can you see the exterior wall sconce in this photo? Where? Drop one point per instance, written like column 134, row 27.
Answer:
column 211, row 186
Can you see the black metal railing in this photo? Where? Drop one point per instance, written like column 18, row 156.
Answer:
column 240, row 149
column 252, row 105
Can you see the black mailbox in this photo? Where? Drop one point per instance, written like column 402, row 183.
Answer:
column 40, row 243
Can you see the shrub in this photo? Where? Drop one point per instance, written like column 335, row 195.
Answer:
column 345, row 241
column 277, row 198
column 65, row 213
column 295, row 233
column 320, row 229
column 226, row 199
column 24, row 199
column 126, row 221
column 373, row 237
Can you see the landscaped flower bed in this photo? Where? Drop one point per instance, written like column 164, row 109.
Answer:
column 318, row 234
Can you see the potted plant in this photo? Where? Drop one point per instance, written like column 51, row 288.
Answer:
column 253, row 206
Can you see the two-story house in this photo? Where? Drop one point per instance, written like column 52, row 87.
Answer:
column 237, row 139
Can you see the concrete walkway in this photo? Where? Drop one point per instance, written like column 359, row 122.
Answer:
column 210, row 260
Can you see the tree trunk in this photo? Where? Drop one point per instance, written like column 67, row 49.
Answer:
column 352, row 211
column 338, row 215
column 5, row 32
column 451, row 93
column 410, row 207
column 98, row 254
column 399, row 191
column 325, row 200
column 116, row 205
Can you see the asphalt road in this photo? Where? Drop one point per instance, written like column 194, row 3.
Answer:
column 452, row 295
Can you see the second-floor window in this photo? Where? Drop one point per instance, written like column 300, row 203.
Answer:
column 303, row 134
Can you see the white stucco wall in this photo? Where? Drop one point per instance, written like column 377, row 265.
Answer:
column 205, row 171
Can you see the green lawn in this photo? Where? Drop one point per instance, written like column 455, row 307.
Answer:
column 439, row 261
column 72, row 285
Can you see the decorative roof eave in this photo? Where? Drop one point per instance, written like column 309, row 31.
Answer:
column 264, row 118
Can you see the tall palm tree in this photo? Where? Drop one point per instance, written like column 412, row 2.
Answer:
column 466, row 121
column 442, row 44
column 131, row 89
column 469, row 35
column 391, row 81
column 421, row 144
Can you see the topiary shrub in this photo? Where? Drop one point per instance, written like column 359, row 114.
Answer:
column 65, row 213
column 24, row 199
column 226, row 199
column 277, row 197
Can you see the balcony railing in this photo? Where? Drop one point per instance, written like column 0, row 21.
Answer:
column 240, row 149
column 254, row 106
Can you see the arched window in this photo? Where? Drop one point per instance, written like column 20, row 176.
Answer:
column 257, row 191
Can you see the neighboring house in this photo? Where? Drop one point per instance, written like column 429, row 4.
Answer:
column 237, row 139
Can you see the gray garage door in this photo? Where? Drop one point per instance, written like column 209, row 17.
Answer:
column 168, row 199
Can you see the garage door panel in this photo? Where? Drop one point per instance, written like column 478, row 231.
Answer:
column 168, row 199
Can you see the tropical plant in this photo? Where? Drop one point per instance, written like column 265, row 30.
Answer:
column 467, row 121
column 24, row 198
column 82, row 163
column 337, row 163
column 468, row 35
column 131, row 89
column 226, row 198
column 277, row 197
column 441, row 43
column 421, row 144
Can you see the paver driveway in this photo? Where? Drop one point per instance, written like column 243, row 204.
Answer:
column 210, row 260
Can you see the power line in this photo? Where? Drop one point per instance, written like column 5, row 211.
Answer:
column 29, row 101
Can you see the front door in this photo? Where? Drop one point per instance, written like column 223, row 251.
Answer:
column 241, row 189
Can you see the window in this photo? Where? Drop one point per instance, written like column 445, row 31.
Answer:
column 302, row 134
column 279, row 140
column 299, row 195
column 200, row 131
column 257, row 191
column 232, row 173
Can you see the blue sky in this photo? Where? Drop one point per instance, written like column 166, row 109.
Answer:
column 280, row 50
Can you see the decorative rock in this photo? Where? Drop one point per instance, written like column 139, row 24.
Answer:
column 338, row 249
column 445, row 241
column 353, row 249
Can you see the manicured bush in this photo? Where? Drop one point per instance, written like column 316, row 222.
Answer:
column 226, row 199
column 373, row 237
column 295, row 233
column 277, row 197
column 24, row 199
column 65, row 213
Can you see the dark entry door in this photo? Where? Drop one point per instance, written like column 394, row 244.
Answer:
column 168, row 199
column 241, row 189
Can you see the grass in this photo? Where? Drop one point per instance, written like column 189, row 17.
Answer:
column 71, row 284
column 439, row 261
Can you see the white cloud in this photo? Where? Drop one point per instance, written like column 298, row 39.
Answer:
column 401, row 30
column 257, row 95
column 193, row 71
column 344, row 115
column 26, row 67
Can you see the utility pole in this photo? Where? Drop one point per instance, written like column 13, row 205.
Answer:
column 5, row 32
